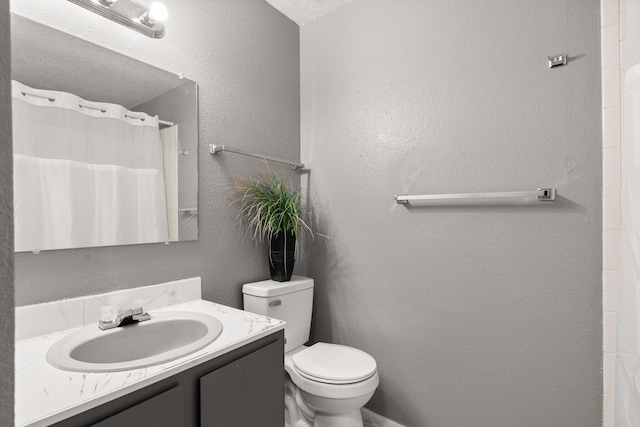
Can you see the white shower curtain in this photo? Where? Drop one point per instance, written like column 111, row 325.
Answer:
column 628, row 323
column 169, row 139
column 85, row 173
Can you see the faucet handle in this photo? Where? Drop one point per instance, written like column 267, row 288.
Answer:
column 139, row 310
column 142, row 304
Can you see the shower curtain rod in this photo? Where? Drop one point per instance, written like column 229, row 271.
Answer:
column 542, row 195
column 217, row 149
column 91, row 107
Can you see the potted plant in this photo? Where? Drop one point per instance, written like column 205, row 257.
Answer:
column 275, row 211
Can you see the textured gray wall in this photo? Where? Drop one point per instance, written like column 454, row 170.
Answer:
column 476, row 315
column 245, row 57
column 6, row 225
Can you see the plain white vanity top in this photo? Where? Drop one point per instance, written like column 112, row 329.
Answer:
column 45, row 395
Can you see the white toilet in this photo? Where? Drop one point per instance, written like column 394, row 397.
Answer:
column 327, row 384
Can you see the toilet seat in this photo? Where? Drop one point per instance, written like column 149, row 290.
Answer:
column 334, row 364
column 326, row 390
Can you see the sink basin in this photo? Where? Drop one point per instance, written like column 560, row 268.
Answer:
column 167, row 336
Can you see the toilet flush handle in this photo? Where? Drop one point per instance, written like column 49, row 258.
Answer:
column 275, row 303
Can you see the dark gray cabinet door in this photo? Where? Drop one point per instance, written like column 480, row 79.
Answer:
column 163, row 410
column 245, row 393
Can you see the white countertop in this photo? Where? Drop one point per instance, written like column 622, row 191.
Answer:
column 45, row 395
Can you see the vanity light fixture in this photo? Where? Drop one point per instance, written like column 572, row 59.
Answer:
column 130, row 14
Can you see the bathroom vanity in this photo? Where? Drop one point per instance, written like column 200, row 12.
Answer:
column 237, row 380
column 240, row 388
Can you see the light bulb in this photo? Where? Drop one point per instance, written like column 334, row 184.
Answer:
column 158, row 12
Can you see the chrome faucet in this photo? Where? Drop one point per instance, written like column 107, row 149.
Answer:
column 125, row 317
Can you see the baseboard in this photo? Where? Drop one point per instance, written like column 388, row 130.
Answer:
column 371, row 419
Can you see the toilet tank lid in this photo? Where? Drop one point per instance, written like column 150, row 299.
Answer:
column 271, row 288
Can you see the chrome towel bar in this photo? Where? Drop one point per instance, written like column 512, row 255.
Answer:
column 217, row 149
column 542, row 195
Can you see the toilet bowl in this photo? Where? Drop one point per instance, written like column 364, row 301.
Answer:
column 327, row 384
column 331, row 383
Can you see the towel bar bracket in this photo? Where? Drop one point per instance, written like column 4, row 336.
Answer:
column 400, row 200
column 547, row 194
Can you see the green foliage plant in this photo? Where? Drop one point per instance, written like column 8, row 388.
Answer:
column 268, row 205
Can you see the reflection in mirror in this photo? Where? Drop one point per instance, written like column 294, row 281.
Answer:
column 105, row 146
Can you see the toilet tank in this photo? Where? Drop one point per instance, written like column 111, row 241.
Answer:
column 290, row 301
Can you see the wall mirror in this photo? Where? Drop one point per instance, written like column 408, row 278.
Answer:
column 105, row 146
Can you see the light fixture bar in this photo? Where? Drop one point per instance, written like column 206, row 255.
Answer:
column 125, row 12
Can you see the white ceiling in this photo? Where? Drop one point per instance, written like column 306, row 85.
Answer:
column 303, row 11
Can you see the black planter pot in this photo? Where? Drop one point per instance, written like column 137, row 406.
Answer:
column 282, row 255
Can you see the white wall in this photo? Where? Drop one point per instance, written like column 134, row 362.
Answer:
column 245, row 57
column 477, row 315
